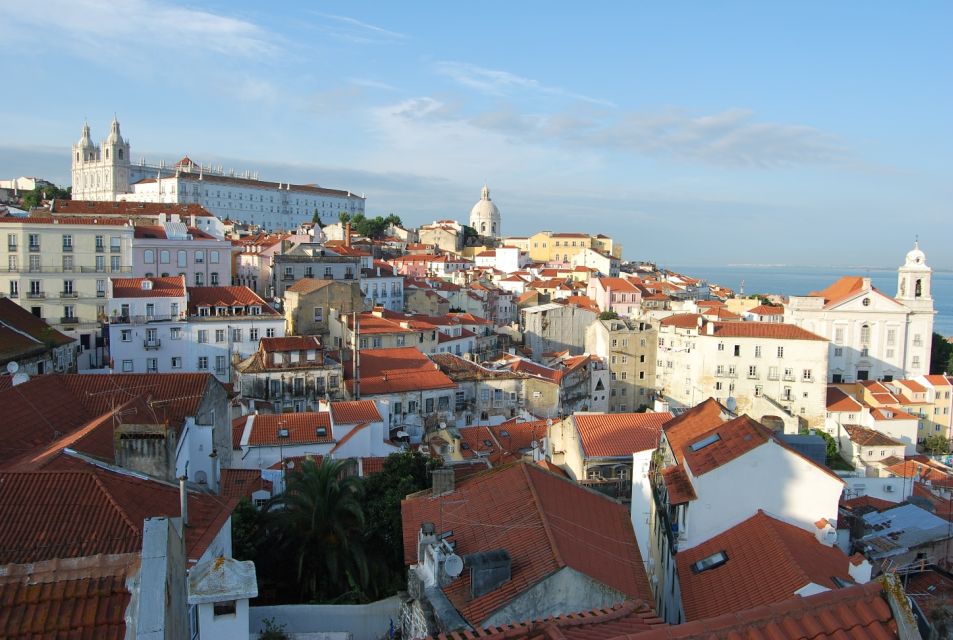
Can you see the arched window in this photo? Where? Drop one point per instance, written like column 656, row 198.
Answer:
column 120, row 154
column 918, row 289
column 77, row 156
column 107, row 154
column 865, row 334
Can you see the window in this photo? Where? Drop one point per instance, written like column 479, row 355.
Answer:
column 152, row 365
column 866, row 302
column 199, row 279
column 175, row 333
column 149, row 256
column 780, row 352
column 176, row 362
column 203, row 363
column 69, row 312
column 100, row 244
column 202, row 336
column 757, row 351
column 752, row 372
column 100, row 264
column 14, row 289
column 127, row 366
column 125, row 335
column 253, row 335
column 838, row 352
column 865, row 334
column 319, row 314
column 100, row 288
column 214, row 277
column 758, row 391
column 236, row 335
column 67, row 242
column 428, row 405
column 200, row 257
column 220, row 335
column 68, row 288
column 34, row 242
column 34, row 263
column 12, row 264
column 220, row 365
column 838, row 336
column 892, row 337
column 269, row 333
column 915, row 363
column 226, row 608
column 114, row 244
column 164, row 256
column 737, row 349
column 11, row 241
column 807, row 375
column 114, row 264
column 182, row 258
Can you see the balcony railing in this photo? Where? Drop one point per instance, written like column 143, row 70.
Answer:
column 67, row 248
column 146, row 319
column 35, row 247
column 68, row 294
column 288, row 276
column 155, row 343
column 12, row 248
column 35, row 295
column 114, row 249
column 69, row 320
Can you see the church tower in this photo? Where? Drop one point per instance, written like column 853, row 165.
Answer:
column 485, row 216
column 115, row 152
column 913, row 292
column 100, row 172
column 85, row 161
column 913, row 281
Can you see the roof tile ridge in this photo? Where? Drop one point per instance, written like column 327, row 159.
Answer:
column 600, row 616
column 793, row 562
column 542, row 516
column 115, row 503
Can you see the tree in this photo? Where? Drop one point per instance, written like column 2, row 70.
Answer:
column 937, row 444
column 33, row 199
column 403, row 474
column 318, row 522
column 608, row 315
column 344, row 217
column 833, row 451
column 941, row 355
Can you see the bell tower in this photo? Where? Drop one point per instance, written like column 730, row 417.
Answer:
column 914, row 280
column 115, row 155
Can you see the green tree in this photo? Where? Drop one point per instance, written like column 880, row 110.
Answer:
column 833, row 451
column 936, row 444
column 249, row 530
column 608, row 315
column 318, row 522
column 941, row 355
column 344, row 216
column 403, row 474
column 33, row 199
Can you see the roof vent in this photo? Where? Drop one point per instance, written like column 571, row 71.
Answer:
column 146, row 285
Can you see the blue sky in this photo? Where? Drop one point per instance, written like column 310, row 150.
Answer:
column 695, row 132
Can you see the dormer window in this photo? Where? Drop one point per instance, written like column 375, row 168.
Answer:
column 204, row 311
column 236, row 310
column 254, row 311
column 710, row 562
column 704, row 442
column 221, row 311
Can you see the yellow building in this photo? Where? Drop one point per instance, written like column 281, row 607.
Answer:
column 547, row 246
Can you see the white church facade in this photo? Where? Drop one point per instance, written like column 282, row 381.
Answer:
column 106, row 172
column 872, row 336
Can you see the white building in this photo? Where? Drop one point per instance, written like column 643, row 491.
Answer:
column 769, row 369
column 485, row 216
column 873, row 336
column 157, row 325
column 105, row 172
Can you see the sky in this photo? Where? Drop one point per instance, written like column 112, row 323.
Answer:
column 697, row 133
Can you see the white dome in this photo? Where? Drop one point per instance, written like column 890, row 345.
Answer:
column 485, row 216
column 915, row 257
column 114, row 136
column 84, row 141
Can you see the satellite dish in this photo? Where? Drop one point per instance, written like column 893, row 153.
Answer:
column 12, row 367
column 731, row 404
column 20, row 378
column 291, row 464
column 453, row 565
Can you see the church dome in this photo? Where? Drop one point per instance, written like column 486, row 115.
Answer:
column 114, row 136
column 485, row 216
column 84, row 141
column 916, row 257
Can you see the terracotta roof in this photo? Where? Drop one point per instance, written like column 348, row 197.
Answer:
column 226, row 297
column 767, row 562
column 770, row 330
column 678, row 485
column 355, row 411
column 940, row 380
column 242, row 483
column 542, row 520
column 79, row 509
column 859, row 612
column 629, row 617
column 871, row 502
column 372, row 465
column 869, row 438
column 23, row 335
column 461, row 370
column 168, row 287
column 397, row 371
column 683, row 321
column 290, row 343
column 614, row 435
column 128, row 209
column 735, row 438
column 48, row 409
column 767, row 310
column 75, row 598
column 841, row 402
column 616, row 284
column 690, row 426
column 844, row 288
column 515, row 438
column 302, row 429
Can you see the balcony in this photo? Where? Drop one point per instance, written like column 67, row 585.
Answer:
column 288, row 277
column 788, row 377
column 130, row 319
column 67, row 248
column 35, row 248
column 12, row 248
column 35, row 295
column 114, row 249
column 69, row 320
column 152, row 344
column 68, row 294
column 100, row 294
column 105, row 269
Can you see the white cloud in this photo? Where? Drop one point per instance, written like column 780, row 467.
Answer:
column 135, row 28
column 500, row 83
column 356, row 31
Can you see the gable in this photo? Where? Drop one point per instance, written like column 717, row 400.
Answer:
column 879, row 303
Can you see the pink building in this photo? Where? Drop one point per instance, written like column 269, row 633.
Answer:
column 615, row 294
column 172, row 247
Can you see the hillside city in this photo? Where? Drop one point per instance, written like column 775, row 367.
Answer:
column 239, row 408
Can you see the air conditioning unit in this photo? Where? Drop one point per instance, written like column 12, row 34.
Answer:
column 888, row 488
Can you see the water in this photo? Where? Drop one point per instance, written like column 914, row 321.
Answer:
column 789, row 281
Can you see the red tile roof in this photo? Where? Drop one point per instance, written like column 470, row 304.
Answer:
column 853, row 613
column 770, row 330
column 542, row 520
column 869, row 438
column 735, row 438
column 682, row 430
column 76, row 598
column 23, row 335
column 242, row 483
column 614, row 435
column 397, row 370
column 225, row 297
column 683, row 321
column 843, row 288
column 290, row 343
column 372, row 465
column 78, row 509
column 302, row 429
column 768, row 561
column 168, row 287
column 841, row 402
column 678, row 485
column 355, row 411
column 128, row 209
column 767, row 310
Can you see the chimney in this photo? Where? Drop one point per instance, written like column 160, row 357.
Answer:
column 824, row 532
column 347, row 234
column 489, row 570
column 183, row 501
column 443, row 481
column 859, row 568
column 710, row 329
column 378, row 311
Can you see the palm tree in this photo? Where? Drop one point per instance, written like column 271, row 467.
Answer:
column 319, row 522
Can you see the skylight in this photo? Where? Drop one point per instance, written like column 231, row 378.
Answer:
column 710, row 562
column 704, row 442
